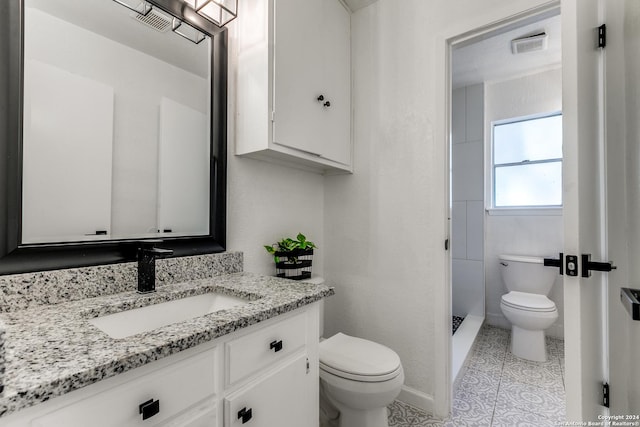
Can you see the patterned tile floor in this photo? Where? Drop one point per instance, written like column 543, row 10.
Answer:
column 499, row 389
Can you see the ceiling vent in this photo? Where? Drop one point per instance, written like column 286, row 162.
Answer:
column 530, row 43
column 154, row 19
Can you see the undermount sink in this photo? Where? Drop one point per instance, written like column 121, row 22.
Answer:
column 126, row 323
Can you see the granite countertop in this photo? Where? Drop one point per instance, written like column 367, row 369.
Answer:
column 53, row 349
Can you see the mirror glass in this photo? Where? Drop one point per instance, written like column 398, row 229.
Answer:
column 116, row 125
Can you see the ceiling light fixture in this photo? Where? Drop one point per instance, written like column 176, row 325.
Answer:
column 141, row 7
column 220, row 12
column 187, row 31
column 162, row 21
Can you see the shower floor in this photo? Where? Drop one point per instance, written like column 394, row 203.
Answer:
column 455, row 323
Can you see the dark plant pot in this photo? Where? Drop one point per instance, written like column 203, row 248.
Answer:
column 294, row 265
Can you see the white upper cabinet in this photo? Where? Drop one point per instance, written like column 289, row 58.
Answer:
column 294, row 83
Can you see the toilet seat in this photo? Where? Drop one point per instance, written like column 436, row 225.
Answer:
column 358, row 359
column 528, row 302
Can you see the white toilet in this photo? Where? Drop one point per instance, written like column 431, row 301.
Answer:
column 358, row 379
column 526, row 304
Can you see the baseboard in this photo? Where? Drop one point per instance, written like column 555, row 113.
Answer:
column 556, row 330
column 416, row 398
column 498, row 319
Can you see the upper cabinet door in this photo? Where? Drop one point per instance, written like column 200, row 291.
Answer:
column 298, row 63
column 294, row 60
column 337, row 82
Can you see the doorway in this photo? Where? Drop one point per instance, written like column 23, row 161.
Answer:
column 509, row 74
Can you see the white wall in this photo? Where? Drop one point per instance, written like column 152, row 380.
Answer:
column 467, row 210
column 267, row 201
column 385, row 225
column 521, row 234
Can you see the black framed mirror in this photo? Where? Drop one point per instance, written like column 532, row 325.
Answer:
column 17, row 256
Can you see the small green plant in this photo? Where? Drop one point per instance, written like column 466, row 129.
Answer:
column 289, row 245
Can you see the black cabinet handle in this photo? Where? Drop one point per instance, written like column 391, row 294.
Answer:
column 245, row 414
column 149, row 408
column 276, row 346
column 327, row 104
column 320, row 98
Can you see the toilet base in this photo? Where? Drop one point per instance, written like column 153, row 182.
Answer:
column 528, row 344
column 336, row 414
column 377, row 417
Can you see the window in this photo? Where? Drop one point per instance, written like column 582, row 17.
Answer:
column 527, row 162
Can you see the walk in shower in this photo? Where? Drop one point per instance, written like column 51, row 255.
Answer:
column 467, row 219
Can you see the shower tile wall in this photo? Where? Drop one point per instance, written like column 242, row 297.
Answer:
column 467, row 239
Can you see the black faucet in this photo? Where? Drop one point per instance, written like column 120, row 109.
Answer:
column 147, row 254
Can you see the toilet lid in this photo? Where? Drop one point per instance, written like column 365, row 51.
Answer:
column 358, row 359
column 527, row 301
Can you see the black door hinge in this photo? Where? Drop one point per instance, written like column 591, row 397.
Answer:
column 605, row 395
column 602, row 36
column 446, row 245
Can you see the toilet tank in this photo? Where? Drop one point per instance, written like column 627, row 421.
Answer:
column 527, row 274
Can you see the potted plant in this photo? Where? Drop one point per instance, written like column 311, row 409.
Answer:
column 293, row 257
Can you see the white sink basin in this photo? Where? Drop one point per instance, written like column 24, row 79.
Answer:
column 144, row 319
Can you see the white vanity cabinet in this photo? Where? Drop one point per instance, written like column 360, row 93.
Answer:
column 266, row 373
column 294, row 83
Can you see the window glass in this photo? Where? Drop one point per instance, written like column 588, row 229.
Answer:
column 527, row 162
column 536, row 139
column 538, row 184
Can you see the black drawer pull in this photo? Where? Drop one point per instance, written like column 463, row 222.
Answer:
column 276, row 346
column 149, row 408
column 245, row 414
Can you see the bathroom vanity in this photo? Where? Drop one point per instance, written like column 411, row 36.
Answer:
column 255, row 363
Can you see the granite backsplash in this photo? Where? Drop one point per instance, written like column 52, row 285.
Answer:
column 22, row 291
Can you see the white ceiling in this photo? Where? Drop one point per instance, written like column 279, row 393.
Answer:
column 490, row 58
column 111, row 20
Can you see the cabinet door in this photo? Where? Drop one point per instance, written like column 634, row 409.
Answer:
column 298, row 57
column 336, row 119
column 283, row 398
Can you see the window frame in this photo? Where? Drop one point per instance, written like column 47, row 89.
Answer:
column 519, row 209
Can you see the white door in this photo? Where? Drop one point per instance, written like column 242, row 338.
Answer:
column 297, row 74
column 622, row 111
column 584, row 210
column 336, row 83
